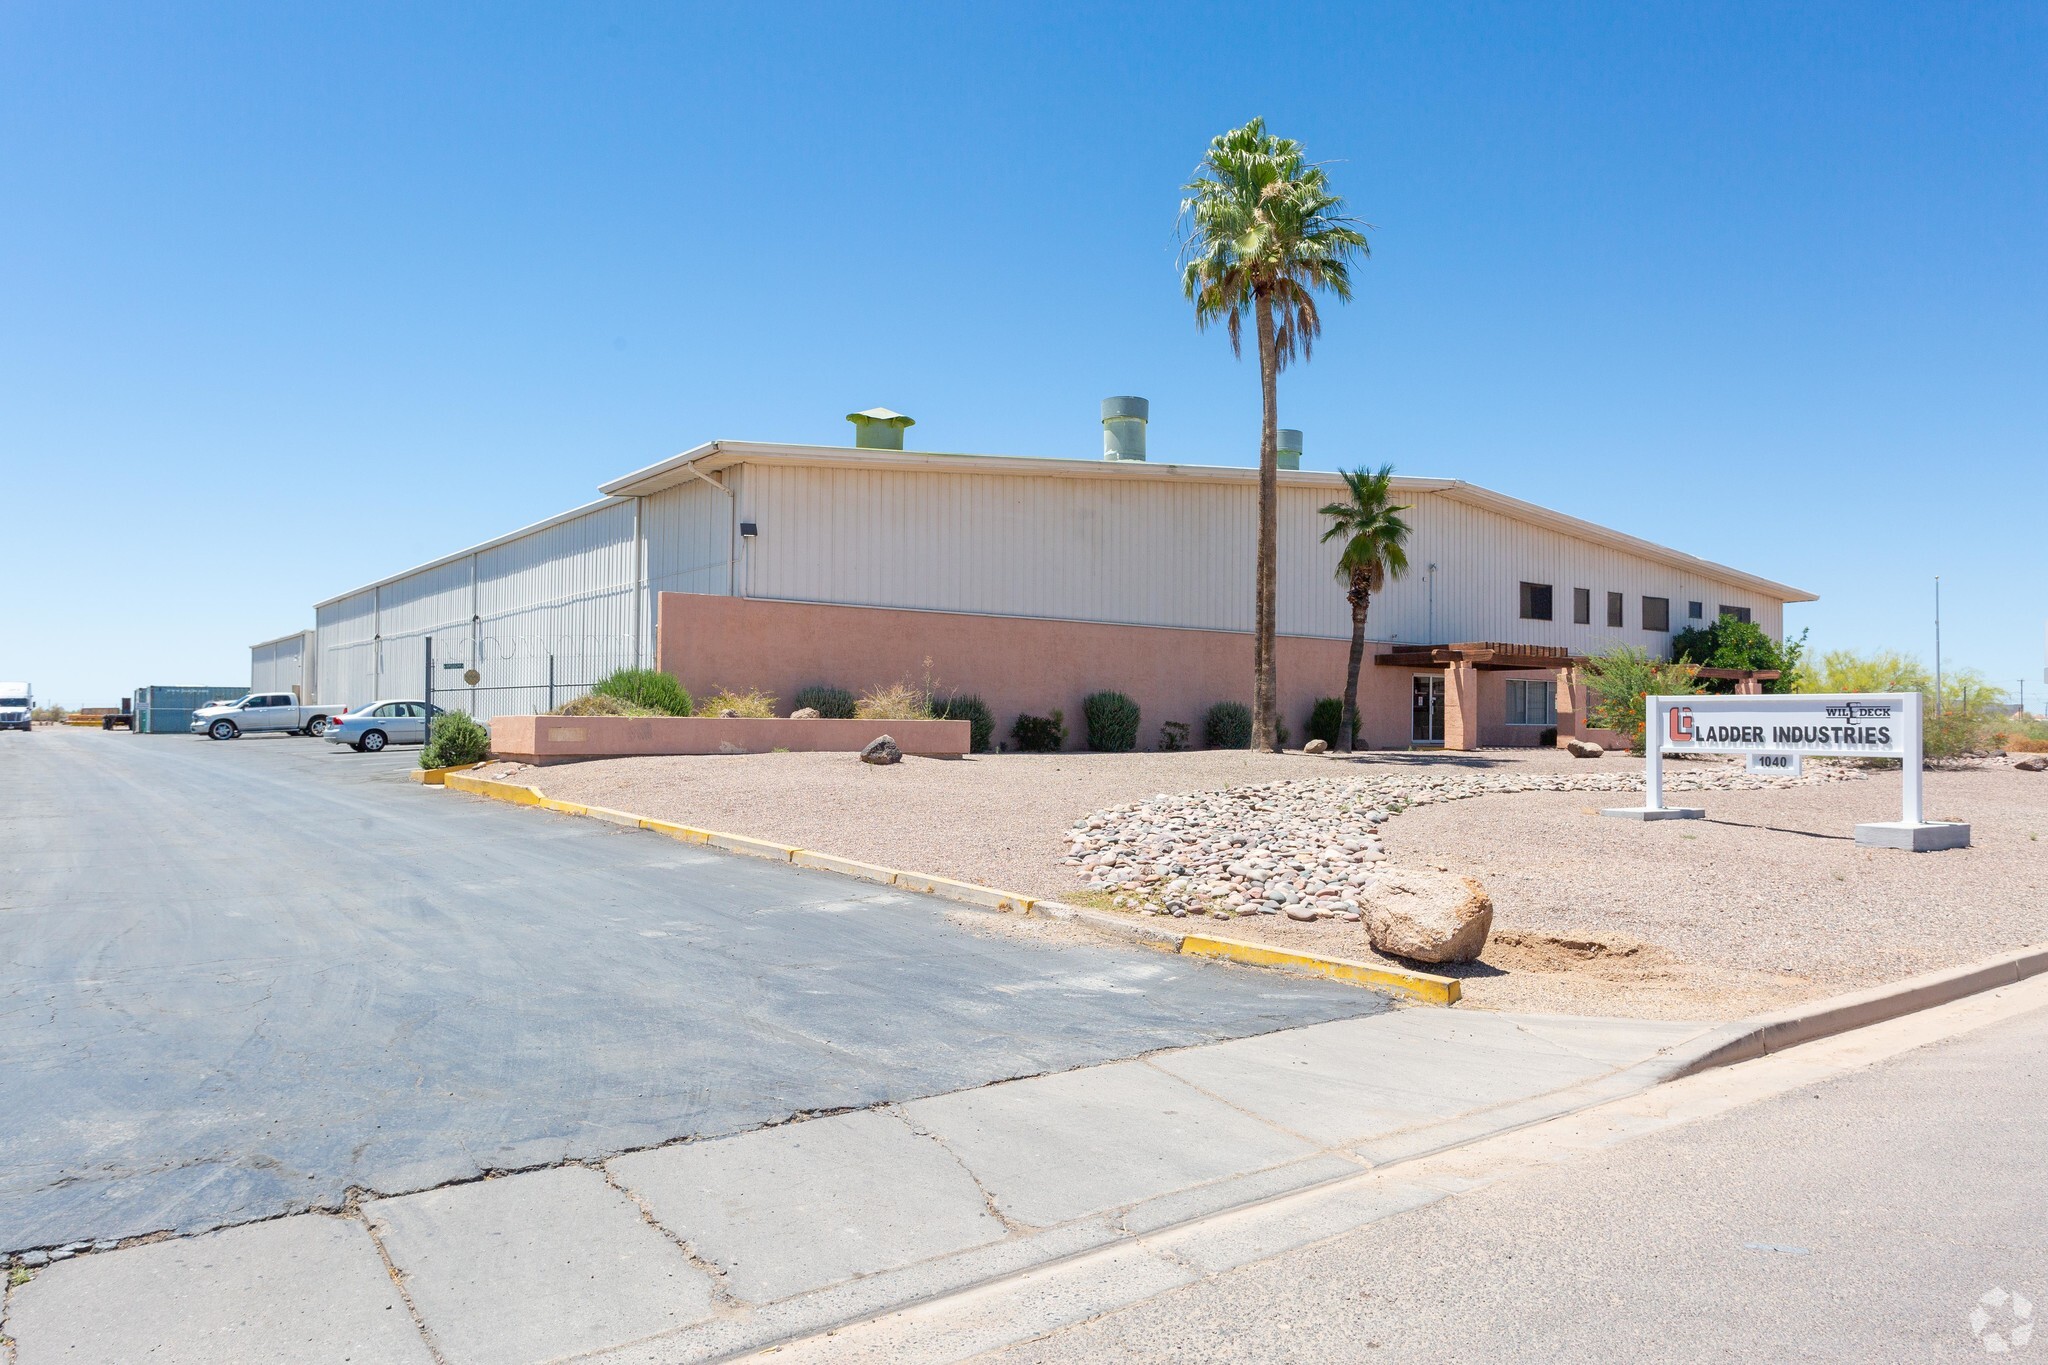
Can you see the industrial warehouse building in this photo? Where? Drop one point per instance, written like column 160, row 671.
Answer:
column 1027, row 581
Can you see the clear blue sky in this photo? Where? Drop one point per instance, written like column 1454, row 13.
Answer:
column 292, row 297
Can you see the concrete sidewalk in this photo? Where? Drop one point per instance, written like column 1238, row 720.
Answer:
column 707, row 1248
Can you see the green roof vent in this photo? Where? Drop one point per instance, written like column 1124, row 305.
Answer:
column 1288, row 448
column 879, row 429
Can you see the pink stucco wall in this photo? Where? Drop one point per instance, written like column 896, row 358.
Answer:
column 556, row 739
column 1015, row 664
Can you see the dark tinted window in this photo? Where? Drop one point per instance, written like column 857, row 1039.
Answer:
column 1696, row 611
column 1739, row 613
column 1535, row 601
column 1582, row 606
column 1656, row 613
column 1614, row 610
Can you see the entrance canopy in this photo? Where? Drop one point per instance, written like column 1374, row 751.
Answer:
column 1479, row 654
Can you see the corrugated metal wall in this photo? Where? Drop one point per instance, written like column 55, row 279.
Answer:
column 1166, row 553
column 286, row 663
column 346, row 633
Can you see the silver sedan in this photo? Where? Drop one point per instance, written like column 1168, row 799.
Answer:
column 380, row 723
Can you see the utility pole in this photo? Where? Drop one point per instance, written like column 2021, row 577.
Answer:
column 1937, row 646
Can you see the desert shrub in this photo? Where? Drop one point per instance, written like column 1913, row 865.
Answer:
column 1729, row 643
column 454, row 739
column 599, row 704
column 1326, row 720
column 1173, row 737
column 1620, row 678
column 1228, row 726
column 832, row 703
column 1548, row 739
column 751, row 703
column 657, row 691
column 1040, row 734
column 1112, row 720
column 981, row 722
column 897, row 701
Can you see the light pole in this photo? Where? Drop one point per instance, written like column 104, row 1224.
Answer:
column 1937, row 646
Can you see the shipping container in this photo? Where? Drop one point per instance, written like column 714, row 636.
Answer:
column 167, row 710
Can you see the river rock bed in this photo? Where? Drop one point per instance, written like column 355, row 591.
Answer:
column 1312, row 849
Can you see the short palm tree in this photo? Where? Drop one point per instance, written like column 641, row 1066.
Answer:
column 1375, row 551
column 1262, row 234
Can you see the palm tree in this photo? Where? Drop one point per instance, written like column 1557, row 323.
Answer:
column 1261, row 234
column 1375, row 551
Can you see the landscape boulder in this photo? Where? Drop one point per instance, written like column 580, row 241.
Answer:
column 804, row 713
column 1315, row 746
column 1427, row 916
column 1583, row 748
column 881, row 749
column 728, row 714
column 2030, row 765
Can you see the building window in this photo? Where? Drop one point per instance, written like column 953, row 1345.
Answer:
column 1531, row 703
column 1656, row 613
column 1739, row 613
column 1535, row 601
column 1696, row 611
column 1582, row 606
column 1614, row 611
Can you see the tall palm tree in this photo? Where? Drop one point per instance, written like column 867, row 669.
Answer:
column 1375, row 551
column 1261, row 234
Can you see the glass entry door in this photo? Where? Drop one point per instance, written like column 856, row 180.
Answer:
column 1429, row 709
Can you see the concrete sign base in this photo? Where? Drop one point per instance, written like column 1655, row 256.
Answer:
column 1913, row 838
column 1656, row 812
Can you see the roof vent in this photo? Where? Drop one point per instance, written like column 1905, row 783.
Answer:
column 1288, row 448
column 1123, row 427
column 879, row 429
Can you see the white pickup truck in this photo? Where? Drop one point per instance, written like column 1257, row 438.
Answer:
column 260, row 711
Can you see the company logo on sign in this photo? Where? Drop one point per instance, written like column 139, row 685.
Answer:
column 1681, row 724
column 1860, row 710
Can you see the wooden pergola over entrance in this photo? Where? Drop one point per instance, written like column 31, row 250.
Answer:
column 1462, row 664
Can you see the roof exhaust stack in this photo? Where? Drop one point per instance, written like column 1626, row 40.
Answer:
column 879, row 429
column 1288, row 448
column 1123, row 428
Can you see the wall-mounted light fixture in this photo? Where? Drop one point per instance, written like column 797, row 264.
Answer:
column 749, row 530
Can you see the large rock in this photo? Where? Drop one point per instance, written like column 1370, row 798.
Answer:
column 804, row 713
column 2030, row 765
column 1315, row 746
column 881, row 749
column 1583, row 748
column 1427, row 916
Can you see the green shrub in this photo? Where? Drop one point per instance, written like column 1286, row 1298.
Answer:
column 1112, row 721
column 980, row 721
column 1040, row 734
column 1729, row 643
column 1326, row 720
column 831, row 703
column 1619, row 679
column 1173, row 737
column 657, row 691
column 454, row 739
column 1228, row 726
column 752, row 704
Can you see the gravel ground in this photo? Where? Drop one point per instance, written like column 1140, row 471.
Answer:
column 1766, row 902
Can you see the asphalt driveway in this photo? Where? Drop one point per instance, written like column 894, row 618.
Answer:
column 244, row 979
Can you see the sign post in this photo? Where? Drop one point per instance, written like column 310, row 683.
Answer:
column 1773, row 732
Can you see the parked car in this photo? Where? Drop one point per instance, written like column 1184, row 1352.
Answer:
column 369, row 728
column 260, row 711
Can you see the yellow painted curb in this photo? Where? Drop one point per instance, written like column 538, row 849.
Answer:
column 610, row 816
column 845, row 867
column 758, row 848
column 676, row 831
column 502, row 791
column 436, row 777
column 1423, row 986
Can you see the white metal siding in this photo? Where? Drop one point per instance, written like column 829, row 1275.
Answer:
column 688, row 530
column 345, row 632
column 565, row 594
column 284, row 664
column 1167, row 553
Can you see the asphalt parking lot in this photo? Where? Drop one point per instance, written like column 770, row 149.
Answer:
column 243, row 979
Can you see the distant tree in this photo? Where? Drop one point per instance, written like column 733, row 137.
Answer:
column 1262, row 234
column 1732, row 643
column 1375, row 540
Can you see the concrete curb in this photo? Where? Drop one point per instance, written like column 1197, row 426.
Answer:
column 1774, row 1032
column 435, row 777
column 1418, row 986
